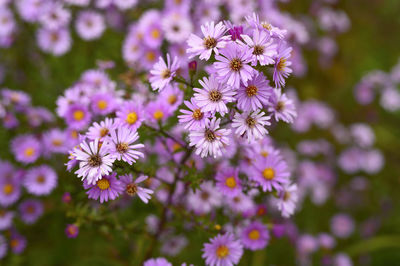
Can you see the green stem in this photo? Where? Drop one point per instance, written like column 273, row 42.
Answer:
column 373, row 244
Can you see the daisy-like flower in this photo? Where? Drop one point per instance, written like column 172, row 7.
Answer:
column 54, row 41
column 40, row 180
column 55, row 16
column 108, row 187
column 71, row 230
column 204, row 199
column 194, row 118
column 17, row 243
column 251, row 124
column 222, row 250
column 95, row 161
column 228, row 181
column 26, row 148
column 255, row 236
column 130, row 115
column 214, row 95
column 262, row 47
column 120, row 145
column 10, row 191
column 6, row 219
column 77, row 116
column 281, row 107
column 131, row 187
column 30, row 210
column 102, row 130
column 55, row 140
column 103, row 103
column 211, row 139
column 255, row 94
column 270, row 172
column 157, row 262
column 255, row 22
column 282, row 64
column 213, row 40
column 163, row 73
column 90, row 25
column 233, row 65
column 287, row 200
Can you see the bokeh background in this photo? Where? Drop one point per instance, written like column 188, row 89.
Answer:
column 373, row 42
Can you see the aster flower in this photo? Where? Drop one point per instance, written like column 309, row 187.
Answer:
column 255, row 23
column 342, row 225
column 281, row 107
column 232, row 65
column 26, row 148
column 211, row 139
column 255, row 236
column 71, row 230
column 150, row 25
column 120, row 145
column 54, row 41
column 228, row 181
column 17, row 243
column 255, row 94
column 132, row 188
column 3, row 247
column 270, row 172
column 55, row 16
column 287, row 200
column 251, row 124
column 130, row 115
column 101, row 130
column 194, row 118
column 282, row 64
column 204, row 199
column 214, row 95
column 30, row 210
column 40, row 180
column 157, row 262
column 108, row 187
column 103, row 103
column 222, row 250
column 262, row 47
column 163, row 73
column 55, row 140
column 10, row 191
column 213, row 40
column 77, row 116
column 177, row 27
column 94, row 161
column 6, row 219
column 90, row 25
column 158, row 111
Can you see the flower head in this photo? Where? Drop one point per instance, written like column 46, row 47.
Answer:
column 222, row 250
column 108, row 187
column 163, row 73
column 132, row 188
column 228, row 181
column 262, row 47
column 282, row 64
column 251, row 124
column 130, row 115
column 40, row 180
column 255, row 236
column 194, row 118
column 120, row 145
column 30, row 210
column 255, row 94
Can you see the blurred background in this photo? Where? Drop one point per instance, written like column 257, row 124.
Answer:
column 371, row 43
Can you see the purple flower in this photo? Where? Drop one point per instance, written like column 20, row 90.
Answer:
column 211, row 139
column 281, row 107
column 255, row 22
column 130, row 115
column 26, row 148
column 103, row 103
column 255, row 236
column 120, row 145
column 150, row 25
column 3, row 247
column 30, row 210
column 213, row 40
column 342, row 225
column 17, row 243
column 71, row 230
column 77, row 116
column 163, row 73
column 262, row 47
column 270, row 172
column 94, row 161
column 222, row 250
column 287, row 200
column 255, row 94
column 228, row 181
column 204, row 199
column 158, row 111
column 10, row 191
column 282, row 64
column 214, row 96
column 233, row 65
column 157, row 262
column 251, row 125
column 194, row 118
column 6, row 219
column 40, row 180
column 132, row 188
column 90, row 25
column 54, row 41
column 55, row 140
column 106, row 188
column 102, row 130
column 55, row 16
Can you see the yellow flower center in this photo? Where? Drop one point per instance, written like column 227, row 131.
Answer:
column 103, row 132
column 8, row 189
column 102, row 104
column 131, row 118
column 74, row 134
column 78, row 115
column 282, row 64
column 158, row 115
column 230, row 182
column 222, row 251
column 254, row 234
column 103, row 184
column 172, row 99
column 286, row 196
column 150, row 56
column 40, row 179
column 269, row 173
column 14, row 243
column 57, row 142
column 264, row 153
column 155, row 33
column 29, row 152
column 176, row 146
